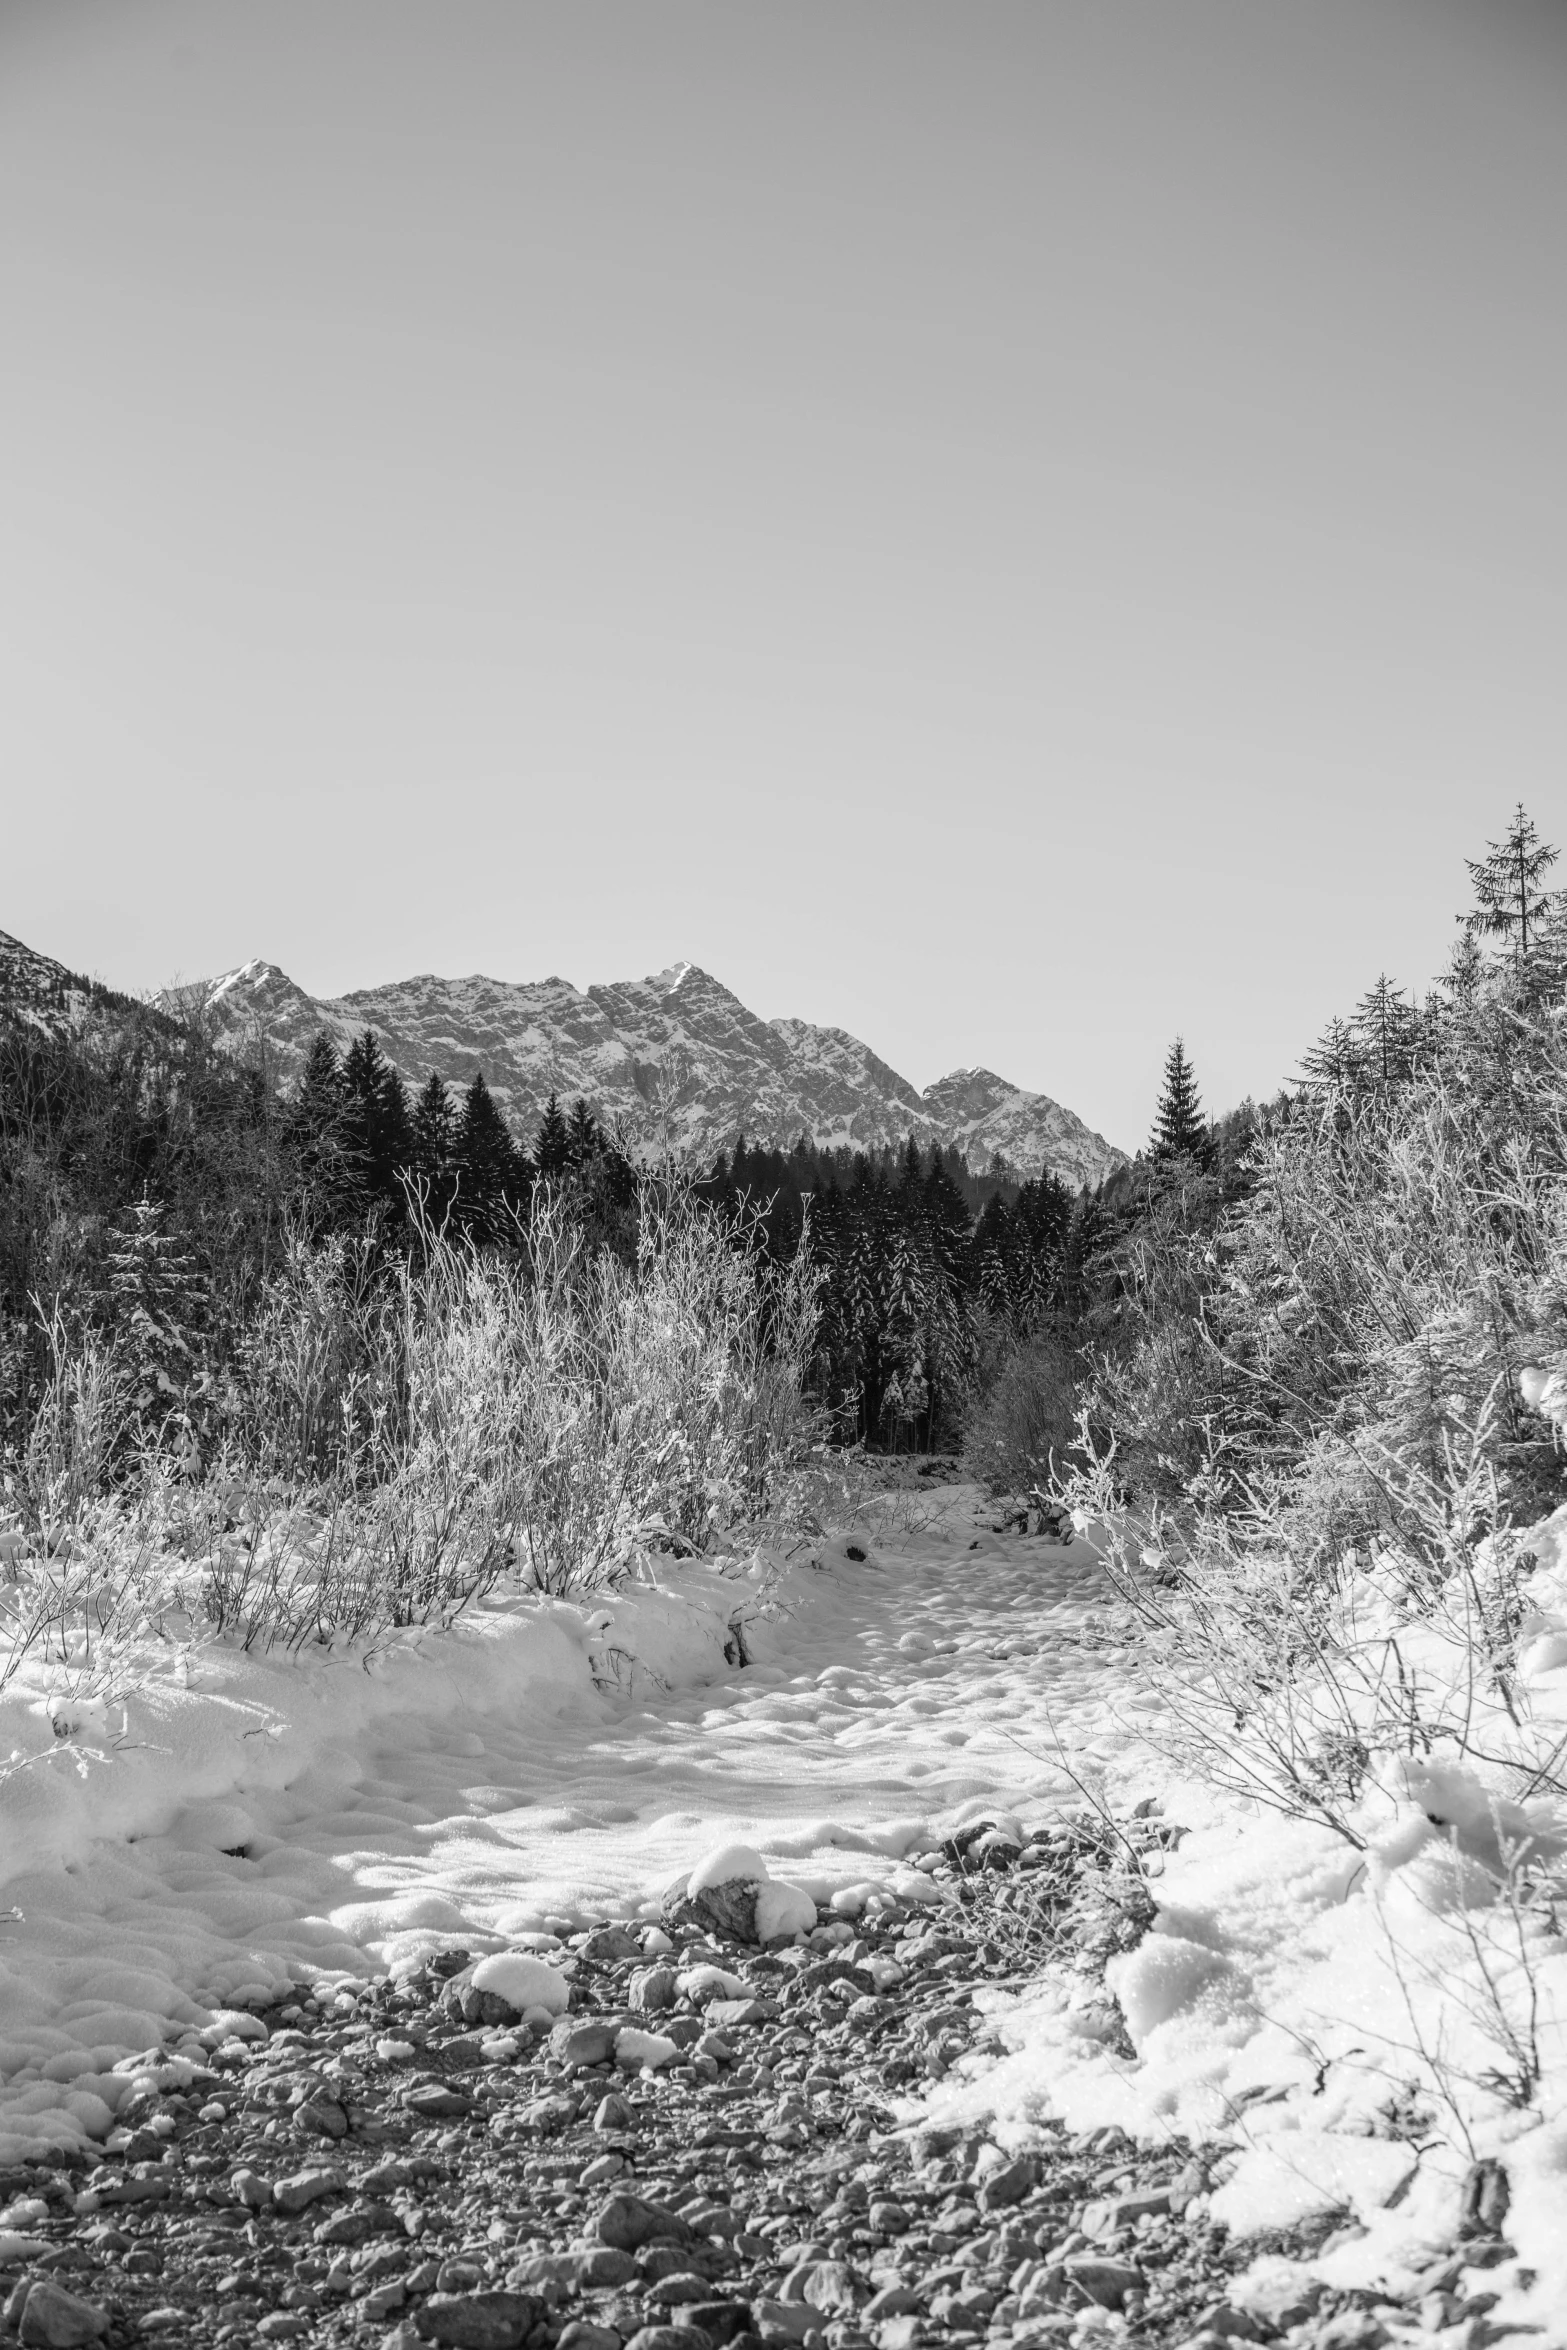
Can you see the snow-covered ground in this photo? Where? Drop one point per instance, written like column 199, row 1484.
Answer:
column 254, row 1820
column 541, row 1767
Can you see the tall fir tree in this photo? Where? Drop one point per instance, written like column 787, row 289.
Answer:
column 380, row 1130
column 552, row 1144
column 1385, row 1029
column 1511, row 901
column 491, row 1181
column 158, row 1301
column 1180, row 1131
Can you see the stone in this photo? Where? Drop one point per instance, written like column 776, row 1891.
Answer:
column 1006, row 2186
column 1484, row 2200
column 1112, row 2212
column 613, row 2113
column 626, row 2223
column 435, row 2101
column 251, row 2189
column 899, row 2333
column 669, row 2338
column 578, row 2041
column 635, row 2049
column 604, row 2270
column 887, row 2218
column 382, row 2300
column 1229, row 2323
column 724, row 2015
column 479, row 2321
column 303, row 2187
column 546, row 2117
column 1105, row 2281
column 721, row 2321
column 353, row 2227
column 282, row 2325
column 582, row 2334
column 53, row 2319
column 653, row 1990
column 606, row 1945
column 726, row 1910
column 683, row 2286
column 321, row 2116
column 891, row 2301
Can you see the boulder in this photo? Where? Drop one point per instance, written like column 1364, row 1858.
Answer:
column 478, row 2321
column 626, row 2223
column 53, row 2319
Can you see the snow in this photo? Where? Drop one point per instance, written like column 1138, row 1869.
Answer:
column 235, row 1823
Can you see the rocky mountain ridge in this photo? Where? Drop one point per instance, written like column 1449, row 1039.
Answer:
column 675, row 1059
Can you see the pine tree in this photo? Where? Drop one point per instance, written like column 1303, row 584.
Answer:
column 379, row 1129
column 1180, row 1130
column 490, row 1169
column 158, row 1302
column 552, row 1146
column 1384, row 1028
column 1510, row 902
column 317, row 1131
column 1335, row 1059
column 583, row 1139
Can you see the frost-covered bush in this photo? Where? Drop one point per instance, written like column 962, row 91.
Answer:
column 404, row 1435
column 1291, row 1673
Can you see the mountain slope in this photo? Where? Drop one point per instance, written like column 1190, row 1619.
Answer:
column 676, row 1058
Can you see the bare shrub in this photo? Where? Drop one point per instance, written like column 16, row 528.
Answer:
column 1021, row 1423
column 405, row 1437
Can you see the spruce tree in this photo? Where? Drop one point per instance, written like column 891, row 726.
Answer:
column 1511, row 902
column 583, row 1139
column 490, row 1178
column 1180, row 1130
column 158, row 1302
column 552, row 1146
column 1384, row 1027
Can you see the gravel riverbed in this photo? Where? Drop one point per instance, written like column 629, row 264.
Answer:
column 714, row 2148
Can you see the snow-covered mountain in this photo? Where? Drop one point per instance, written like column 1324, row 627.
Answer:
column 675, row 1057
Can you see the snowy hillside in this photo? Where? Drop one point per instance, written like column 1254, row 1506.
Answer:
column 675, row 1056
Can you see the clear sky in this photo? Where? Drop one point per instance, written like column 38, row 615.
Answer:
column 1015, row 530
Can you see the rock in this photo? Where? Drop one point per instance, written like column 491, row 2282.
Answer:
column 899, row 2333
column 1103, row 2218
column 1105, row 2281
column 604, row 2270
column 653, row 1990
column 302, row 2187
column 626, row 2223
column 613, row 2113
column 53, row 2319
column 887, row 2218
column 681, row 2287
column 282, row 2325
column 634, row 2049
column 321, row 2117
column 669, row 2338
column 891, row 2301
column 435, row 2101
column 581, row 2334
column 382, row 2300
column 727, row 1910
column 721, row 2321
column 1006, row 2186
column 251, row 2189
column 478, row 2321
column 607, row 1944
column 1229, row 2323
column 725, row 2015
column 1485, row 2198
column 578, row 2041
column 352, row 2227
column 546, row 2117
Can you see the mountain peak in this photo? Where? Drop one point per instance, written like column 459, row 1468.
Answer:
column 676, row 1058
